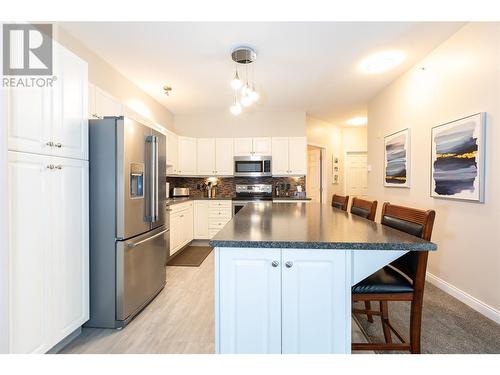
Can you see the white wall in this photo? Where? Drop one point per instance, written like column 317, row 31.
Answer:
column 247, row 124
column 110, row 80
column 461, row 77
column 337, row 140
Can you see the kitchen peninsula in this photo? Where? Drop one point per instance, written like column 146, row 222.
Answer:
column 284, row 272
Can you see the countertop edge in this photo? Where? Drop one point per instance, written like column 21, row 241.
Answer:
column 428, row 246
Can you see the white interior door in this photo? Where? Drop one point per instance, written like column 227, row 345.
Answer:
column 249, row 318
column 313, row 180
column 356, row 172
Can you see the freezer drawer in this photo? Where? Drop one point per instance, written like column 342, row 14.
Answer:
column 140, row 275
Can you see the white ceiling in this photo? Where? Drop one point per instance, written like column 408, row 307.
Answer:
column 309, row 67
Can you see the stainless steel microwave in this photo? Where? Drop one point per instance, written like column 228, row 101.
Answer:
column 252, row 166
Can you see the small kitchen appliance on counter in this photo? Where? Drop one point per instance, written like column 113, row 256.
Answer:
column 179, row 192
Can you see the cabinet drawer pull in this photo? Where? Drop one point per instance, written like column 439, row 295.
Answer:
column 289, row 264
column 275, row 263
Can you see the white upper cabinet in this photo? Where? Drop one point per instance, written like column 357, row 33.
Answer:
column 172, row 153
column 280, row 156
column 289, row 156
column 224, row 157
column 187, row 156
column 102, row 104
column 205, row 156
column 262, row 146
column 243, row 146
column 214, row 156
column 52, row 121
column 252, row 146
column 297, row 155
column 70, row 121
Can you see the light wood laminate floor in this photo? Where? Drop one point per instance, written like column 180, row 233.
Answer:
column 179, row 320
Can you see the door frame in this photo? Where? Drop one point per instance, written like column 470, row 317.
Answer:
column 346, row 154
column 323, row 171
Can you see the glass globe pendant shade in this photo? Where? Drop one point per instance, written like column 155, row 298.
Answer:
column 235, row 109
column 236, row 82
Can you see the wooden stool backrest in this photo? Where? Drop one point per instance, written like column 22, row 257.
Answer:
column 364, row 208
column 340, row 202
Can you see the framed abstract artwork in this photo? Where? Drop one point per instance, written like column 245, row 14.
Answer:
column 397, row 159
column 457, row 159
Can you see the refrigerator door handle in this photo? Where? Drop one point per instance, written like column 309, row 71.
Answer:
column 151, row 202
column 134, row 244
column 156, row 188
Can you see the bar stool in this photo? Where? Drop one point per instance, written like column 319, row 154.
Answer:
column 340, row 202
column 364, row 208
column 402, row 280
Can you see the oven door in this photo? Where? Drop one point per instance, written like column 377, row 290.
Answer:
column 237, row 206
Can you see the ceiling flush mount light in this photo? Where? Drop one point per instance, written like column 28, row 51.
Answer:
column 167, row 90
column 244, row 93
column 357, row 121
column 382, row 61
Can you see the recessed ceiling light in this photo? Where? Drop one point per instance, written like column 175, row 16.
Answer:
column 382, row 61
column 357, row 121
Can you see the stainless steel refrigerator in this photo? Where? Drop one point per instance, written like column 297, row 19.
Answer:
column 128, row 227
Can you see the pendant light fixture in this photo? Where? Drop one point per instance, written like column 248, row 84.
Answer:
column 244, row 93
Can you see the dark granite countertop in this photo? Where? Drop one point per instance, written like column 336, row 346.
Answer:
column 310, row 226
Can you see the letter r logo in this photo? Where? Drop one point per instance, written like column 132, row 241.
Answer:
column 27, row 49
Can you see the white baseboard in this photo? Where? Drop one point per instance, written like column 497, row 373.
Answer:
column 470, row 301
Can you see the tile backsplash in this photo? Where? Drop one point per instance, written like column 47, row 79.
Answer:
column 226, row 185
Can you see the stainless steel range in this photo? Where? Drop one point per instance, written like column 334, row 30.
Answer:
column 251, row 193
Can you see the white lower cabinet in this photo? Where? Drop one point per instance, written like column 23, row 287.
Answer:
column 48, row 250
column 181, row 226
column 249, row 315
column 282, row 301
column 200, row 220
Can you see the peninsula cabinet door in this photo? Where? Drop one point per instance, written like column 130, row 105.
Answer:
column 249, row 301
column 316, row 302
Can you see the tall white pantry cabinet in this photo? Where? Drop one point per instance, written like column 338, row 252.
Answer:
column 48, row 177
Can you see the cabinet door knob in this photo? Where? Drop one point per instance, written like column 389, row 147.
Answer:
column 50, row 144
column 288, row 264
column 58, row 145
column 275, row 263
column 58, row 166
column 50, row 166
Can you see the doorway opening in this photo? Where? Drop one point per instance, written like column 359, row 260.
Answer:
column 316, row 173
column 356, row 173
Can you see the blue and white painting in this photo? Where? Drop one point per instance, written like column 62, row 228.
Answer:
column 397, row 159
column 457, row 159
